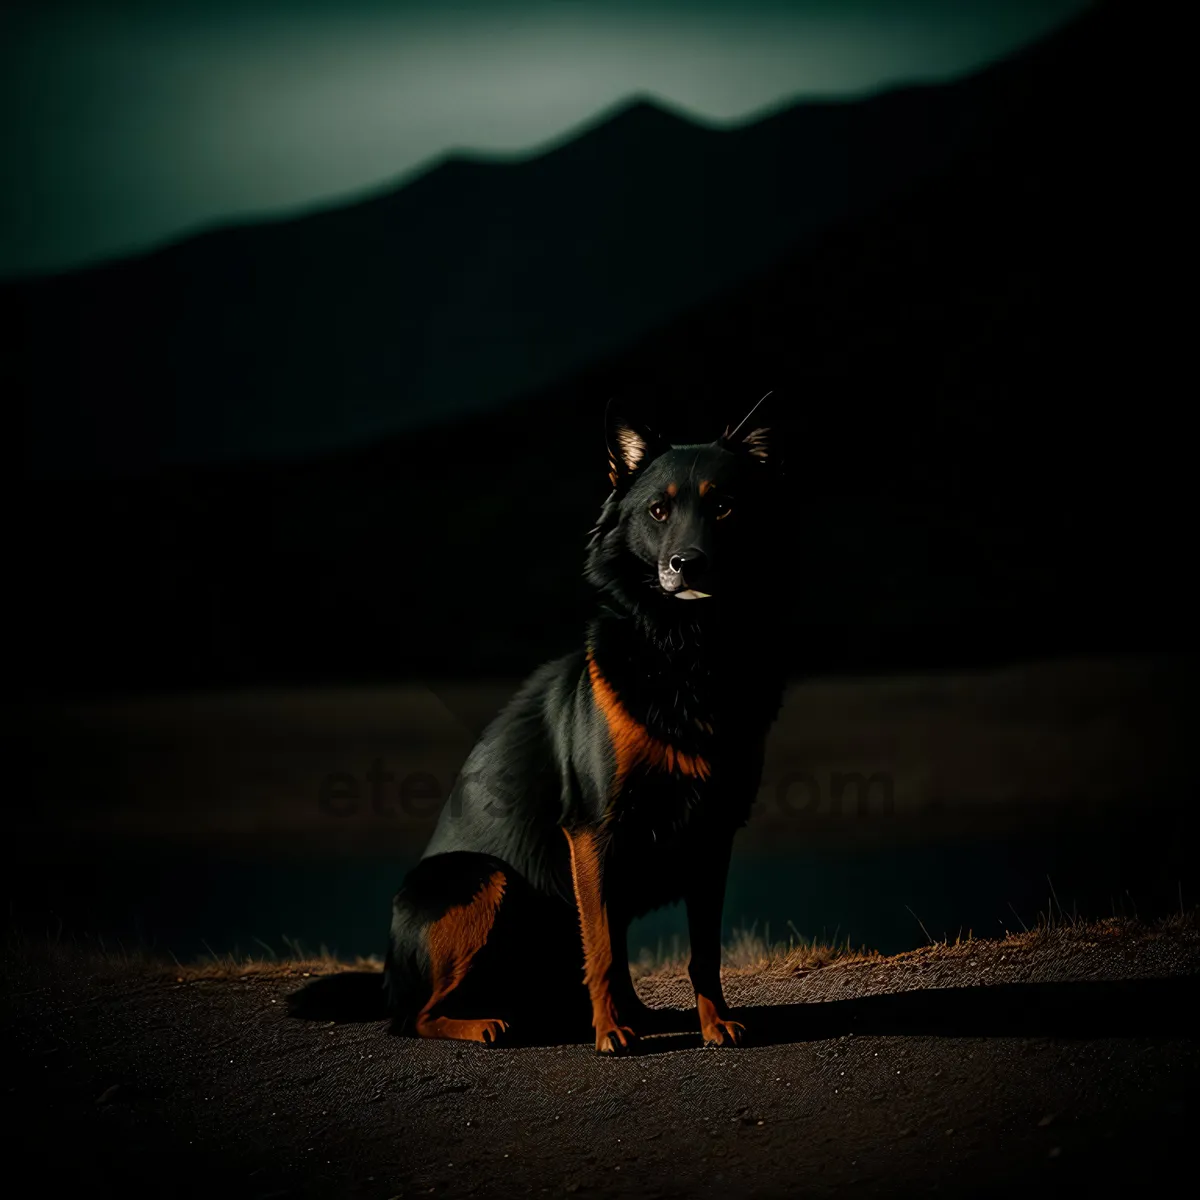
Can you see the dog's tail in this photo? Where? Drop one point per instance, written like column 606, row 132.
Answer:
column 346, row 996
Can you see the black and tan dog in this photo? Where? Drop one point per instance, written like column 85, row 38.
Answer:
column 614, row 781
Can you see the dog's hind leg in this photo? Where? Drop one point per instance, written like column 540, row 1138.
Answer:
column 442, row 920
column 454, row 941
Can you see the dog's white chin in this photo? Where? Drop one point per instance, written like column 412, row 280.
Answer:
column 692, row 594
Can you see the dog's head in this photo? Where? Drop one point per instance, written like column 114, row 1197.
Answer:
column 684, row 525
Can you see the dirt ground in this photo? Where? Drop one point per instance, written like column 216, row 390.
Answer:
column 1044, row 1062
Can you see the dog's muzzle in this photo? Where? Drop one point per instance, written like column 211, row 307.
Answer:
column 686, row 575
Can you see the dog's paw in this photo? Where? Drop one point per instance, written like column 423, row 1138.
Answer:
column 492, row 1032
column 620, row 1039
column 489, row 1032
column 723, row 1032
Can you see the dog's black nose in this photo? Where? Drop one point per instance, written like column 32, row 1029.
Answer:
column 691, row 564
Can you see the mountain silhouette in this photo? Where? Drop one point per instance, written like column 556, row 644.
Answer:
column 975, row 382
column 474, row 284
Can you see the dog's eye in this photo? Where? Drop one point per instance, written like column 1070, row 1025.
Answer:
column 659, row 512
column 722, row 509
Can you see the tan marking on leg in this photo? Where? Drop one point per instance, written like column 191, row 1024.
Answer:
column 454, row 940
column 485, row 1031
column 586, row 872
column 715, row 1025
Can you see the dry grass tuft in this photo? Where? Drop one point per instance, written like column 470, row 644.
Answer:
column 1064, row 932
column 751, row 952
column 115, row 960
column 230, row 967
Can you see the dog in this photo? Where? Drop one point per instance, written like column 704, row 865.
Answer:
column 614, row 781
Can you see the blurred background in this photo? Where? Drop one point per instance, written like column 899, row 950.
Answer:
column 311, row 311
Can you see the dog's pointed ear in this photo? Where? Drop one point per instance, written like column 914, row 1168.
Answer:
column 631, row 445
column 756, row 442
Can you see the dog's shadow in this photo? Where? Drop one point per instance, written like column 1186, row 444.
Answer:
column 1090, row 1009
column 1082, row 1010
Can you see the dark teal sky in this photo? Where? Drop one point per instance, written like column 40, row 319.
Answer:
column 124, row 124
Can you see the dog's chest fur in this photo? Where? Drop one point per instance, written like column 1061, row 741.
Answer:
column 686, row 751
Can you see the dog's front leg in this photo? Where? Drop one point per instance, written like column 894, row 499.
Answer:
column 587, row 872
column 705, row 898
